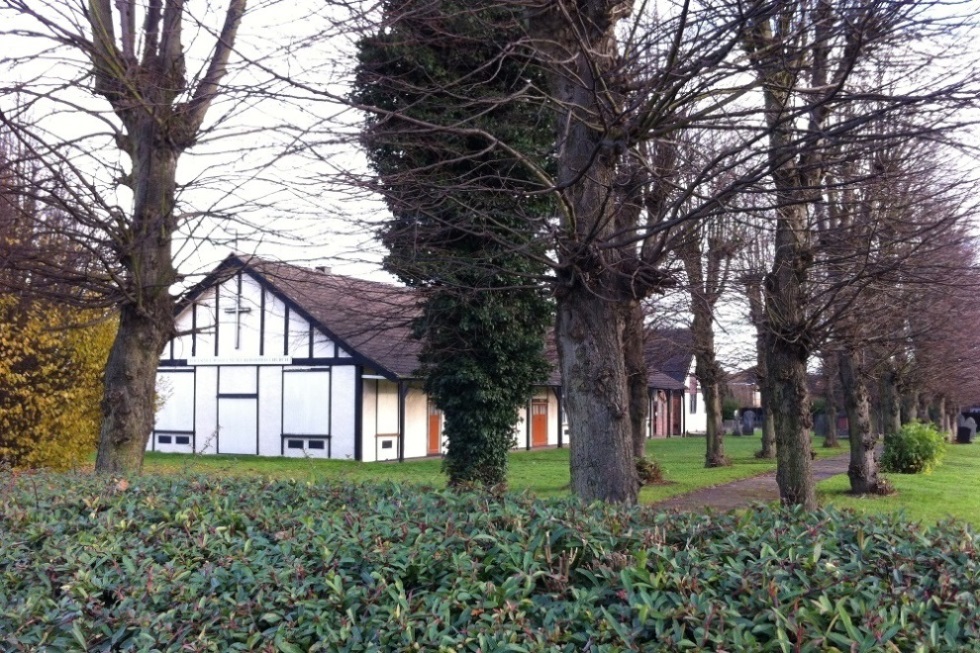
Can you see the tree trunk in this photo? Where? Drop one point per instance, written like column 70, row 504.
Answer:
column 589, row 333
column 146, row 318
column 636, row 371
column 130, row 388
column 940, row 411
column 708, row 373
column 790, row 406
column 830, row 374
column 787, row 351
column 706, row 367
column 891, row 409
column 863, row 468
column 910, row 406
column 577, row 47
column 757, row 314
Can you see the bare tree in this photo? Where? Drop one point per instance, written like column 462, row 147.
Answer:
column 148, row 103
column 812, row 61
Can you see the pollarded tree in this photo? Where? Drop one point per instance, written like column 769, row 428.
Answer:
column 436, row 82
column 114, row 168
column 812, row 62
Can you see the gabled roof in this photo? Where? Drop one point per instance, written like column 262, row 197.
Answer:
column 370, row 319
column 669, row 353
column 373, row 320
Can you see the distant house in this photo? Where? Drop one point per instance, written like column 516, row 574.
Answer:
column 743, row 387
column 274, row 359
column 676, row 402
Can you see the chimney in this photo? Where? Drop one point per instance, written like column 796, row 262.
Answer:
column 323, row 268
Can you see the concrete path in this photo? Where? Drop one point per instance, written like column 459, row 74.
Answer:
column 739, row 494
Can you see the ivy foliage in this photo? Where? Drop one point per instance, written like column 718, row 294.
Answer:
column 236, row 564
column 445, row 85
column 50, row 383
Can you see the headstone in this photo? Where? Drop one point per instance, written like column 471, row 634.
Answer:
column 748, row 421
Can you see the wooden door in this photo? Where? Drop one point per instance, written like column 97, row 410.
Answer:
column 435, row 430
column 539, row 423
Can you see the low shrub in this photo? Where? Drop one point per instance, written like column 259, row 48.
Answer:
column 916, row 448
column 204, row 564
column 649, row 471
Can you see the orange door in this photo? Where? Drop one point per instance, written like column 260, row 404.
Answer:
column 539, row 423
column 435, row 430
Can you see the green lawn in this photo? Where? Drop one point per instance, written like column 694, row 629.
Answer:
column 545, row 473
column 952, row 490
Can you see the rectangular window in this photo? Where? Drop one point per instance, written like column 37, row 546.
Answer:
column 315, row 444
column 183, row 439
column 163, row 439
column 694, row 402
column 386, row 444
column 294, row 444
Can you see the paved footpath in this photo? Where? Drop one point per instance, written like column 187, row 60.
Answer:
column 741, row 493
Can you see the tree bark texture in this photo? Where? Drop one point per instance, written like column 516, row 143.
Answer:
column 161, row 116
column 910, row 405
column 704, row 294
column 708, row 372
column 790, row 406
column 589, row 331
column 636, row 371
column 863, row 468
column 830, row 376
column 577, row 45
column 146, row 320
column 757, row 313
column 891, row 405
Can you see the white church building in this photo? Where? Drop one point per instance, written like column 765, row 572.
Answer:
column 273, row 359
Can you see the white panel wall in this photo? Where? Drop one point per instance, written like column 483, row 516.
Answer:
column 307, row 407
column 182, row 344
column 175, row 397
column 342, row 412
column 275, row 324
column 205, row 407
column 270, row 414
column 380, row 419
column 238, row 422
column 205, row 323
column 322, row 345
column 238, row 379
column 174, row 423
column 416, row 424
column 299, row 336
column 369, row 414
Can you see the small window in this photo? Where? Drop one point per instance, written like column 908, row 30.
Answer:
column 294, row 444
column 386, row 444
column 163, row 439
column 315, row 444
column 183, row 439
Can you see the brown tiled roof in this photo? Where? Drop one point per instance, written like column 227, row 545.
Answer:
column 374, row 320
column 668, row 354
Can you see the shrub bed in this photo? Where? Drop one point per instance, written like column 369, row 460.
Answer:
column 199, row 564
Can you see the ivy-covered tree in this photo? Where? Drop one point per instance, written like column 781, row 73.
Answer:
column 456, row 148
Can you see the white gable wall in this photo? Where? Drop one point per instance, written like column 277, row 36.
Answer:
column 233, row 375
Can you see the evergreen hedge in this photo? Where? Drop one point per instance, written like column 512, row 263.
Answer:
column 204, row 564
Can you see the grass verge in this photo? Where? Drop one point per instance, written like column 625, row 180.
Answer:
column 951, row 490
column 543, row 473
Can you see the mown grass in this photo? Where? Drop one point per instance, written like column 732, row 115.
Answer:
column 951, row 491
column 543, row 473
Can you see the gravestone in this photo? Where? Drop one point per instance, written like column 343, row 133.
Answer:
column 966, row 431
column 748, row 422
